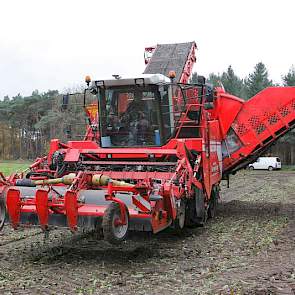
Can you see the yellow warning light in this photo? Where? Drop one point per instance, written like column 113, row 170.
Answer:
column 87, row 79
column 172, row 74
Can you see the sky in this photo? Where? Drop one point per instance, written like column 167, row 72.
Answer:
column 53, row 44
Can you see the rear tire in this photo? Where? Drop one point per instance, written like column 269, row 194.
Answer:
column 270, row 168
column 196, row 213
column 2, row 213
column 251, row 168
column 112, row 232
column 213, row 203
column 179, row 222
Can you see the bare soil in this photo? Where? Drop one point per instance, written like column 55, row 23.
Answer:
column 248, row 249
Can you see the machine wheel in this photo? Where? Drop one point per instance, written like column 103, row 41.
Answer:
column 196, row 213
column 179, row 222
column 213, row 202
column 270, row 168
column 113, row 232
column 2, row 214
column 251, row 168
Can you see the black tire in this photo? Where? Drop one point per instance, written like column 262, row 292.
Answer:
column 213, row 202
column 2, row 213
column 114, row 234
column 251, row 168
column 196, row 213
column 179, row 222
column 270, row 168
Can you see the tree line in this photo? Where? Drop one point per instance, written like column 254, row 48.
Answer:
column 27, row 123
column 247, row 87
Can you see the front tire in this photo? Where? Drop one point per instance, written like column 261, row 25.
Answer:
column 113, row 232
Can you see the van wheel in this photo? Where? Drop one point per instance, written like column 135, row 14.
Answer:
column 251, row 168
column 270, row 168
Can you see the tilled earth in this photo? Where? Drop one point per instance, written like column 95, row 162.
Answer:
column 248, row 249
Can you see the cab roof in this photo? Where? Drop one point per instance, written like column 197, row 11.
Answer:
column 137, row 80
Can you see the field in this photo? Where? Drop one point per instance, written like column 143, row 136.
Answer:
column 248, row 249
column 8, row 167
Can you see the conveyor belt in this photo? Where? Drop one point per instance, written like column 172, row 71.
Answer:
column 169, row 57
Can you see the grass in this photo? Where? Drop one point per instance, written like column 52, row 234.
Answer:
column 288, row 167
column 8, row 167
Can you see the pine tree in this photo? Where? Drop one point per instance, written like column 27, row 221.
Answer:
column 214, row 79
column 194, row 78
column 289, row 79
column 232, row 83
column 258, row 80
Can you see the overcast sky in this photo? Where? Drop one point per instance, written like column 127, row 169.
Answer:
column 54, row 44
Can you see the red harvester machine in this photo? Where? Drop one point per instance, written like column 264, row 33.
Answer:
column 155, row 151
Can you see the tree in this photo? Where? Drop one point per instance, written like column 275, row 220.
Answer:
column 258, row 80
column 214, row 79
column 289, row 79
column 194, row 78
column 232, row 83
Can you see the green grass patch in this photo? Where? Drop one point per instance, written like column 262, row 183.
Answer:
column 288, row 167
column 8, row 167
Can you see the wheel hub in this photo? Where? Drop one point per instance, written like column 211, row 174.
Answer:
column 119, row 228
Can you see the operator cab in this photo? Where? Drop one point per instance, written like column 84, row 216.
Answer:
column 137, row 112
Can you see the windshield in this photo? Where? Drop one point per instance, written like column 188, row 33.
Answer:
column 135, row 115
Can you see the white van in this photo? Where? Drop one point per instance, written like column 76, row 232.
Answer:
column 269, row 163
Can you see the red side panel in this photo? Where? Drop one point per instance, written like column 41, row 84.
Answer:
column 72, row 155
column 13, row 204
column 42, row 208
column 71, row 206
column 211, row 156
column 227, row 108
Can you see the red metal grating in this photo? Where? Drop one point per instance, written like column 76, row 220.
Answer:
column 254, row 121
column 273, row 119
column 284, row 111
column 257, row 124
column 241, row 129
column 260, row 128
